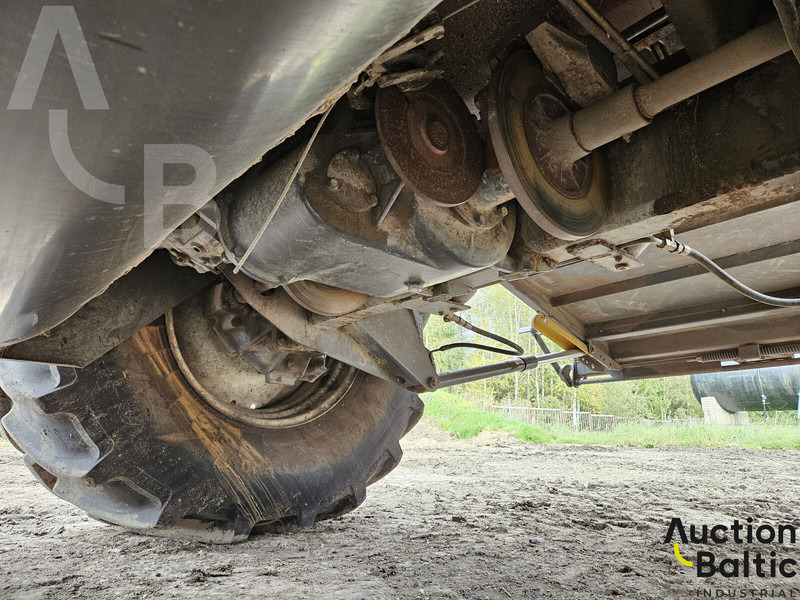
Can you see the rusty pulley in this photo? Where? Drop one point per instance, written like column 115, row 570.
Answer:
column 432, row 142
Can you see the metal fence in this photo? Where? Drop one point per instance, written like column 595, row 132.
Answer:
column 536, row 416
column 579, row 420
column 692, row 421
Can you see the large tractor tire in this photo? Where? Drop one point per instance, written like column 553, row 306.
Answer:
column 128, row 440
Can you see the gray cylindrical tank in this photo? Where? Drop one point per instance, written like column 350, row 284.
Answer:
column 739, row 390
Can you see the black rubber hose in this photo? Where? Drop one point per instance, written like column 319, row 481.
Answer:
column 715, row 269
column 517, row 349
column 676, row 247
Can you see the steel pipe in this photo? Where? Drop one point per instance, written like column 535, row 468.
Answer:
column 519, row 364
column 633, row 107
column 629, row 56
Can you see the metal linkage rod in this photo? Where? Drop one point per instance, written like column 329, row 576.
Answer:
column 616, row 36
column 522, row 363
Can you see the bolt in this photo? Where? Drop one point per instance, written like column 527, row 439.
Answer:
column 413, row 286
column 238, row 297
column 400, row 380
column 291, row 364
column 433, row 382
column 333, row 184
column 622, row 266
column 438, row 134
column 281, row 342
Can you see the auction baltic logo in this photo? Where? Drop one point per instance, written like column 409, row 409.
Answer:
column 766, row 564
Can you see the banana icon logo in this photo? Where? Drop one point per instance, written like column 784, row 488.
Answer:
column 681, row 560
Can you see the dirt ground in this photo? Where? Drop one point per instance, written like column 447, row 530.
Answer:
column 487, row 518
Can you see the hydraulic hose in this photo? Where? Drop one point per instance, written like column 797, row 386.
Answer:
column 517, row 349
column 676, row 247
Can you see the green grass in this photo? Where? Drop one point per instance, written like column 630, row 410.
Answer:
column 454, row 414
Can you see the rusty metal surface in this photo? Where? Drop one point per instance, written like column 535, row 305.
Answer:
column 431, row 141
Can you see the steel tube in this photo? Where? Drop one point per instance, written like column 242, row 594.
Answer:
column 521, row 363
column 633, row 108
column 742, row 54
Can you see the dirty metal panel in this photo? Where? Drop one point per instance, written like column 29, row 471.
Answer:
column 777, row 326
column 759, row 249
column 730, row 151
column 723, row 170
column 684, row 367
column 766, row 228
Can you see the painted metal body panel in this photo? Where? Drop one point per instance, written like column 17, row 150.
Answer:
column 230, row 78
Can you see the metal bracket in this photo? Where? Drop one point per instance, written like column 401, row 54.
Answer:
column 388, row 345
column 584, row 68
column 604, row 254
column 594, row 359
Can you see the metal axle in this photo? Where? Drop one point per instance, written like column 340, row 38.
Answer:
column 521, row 363
column 575, row 136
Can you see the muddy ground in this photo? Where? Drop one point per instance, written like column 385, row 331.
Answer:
column 486, row 518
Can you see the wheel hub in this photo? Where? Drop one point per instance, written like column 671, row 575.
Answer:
column 566, row 199
column 431, row 141
column 571, row 179
column 243, row 367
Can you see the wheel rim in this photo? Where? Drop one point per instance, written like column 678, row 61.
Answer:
column 234, row 388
